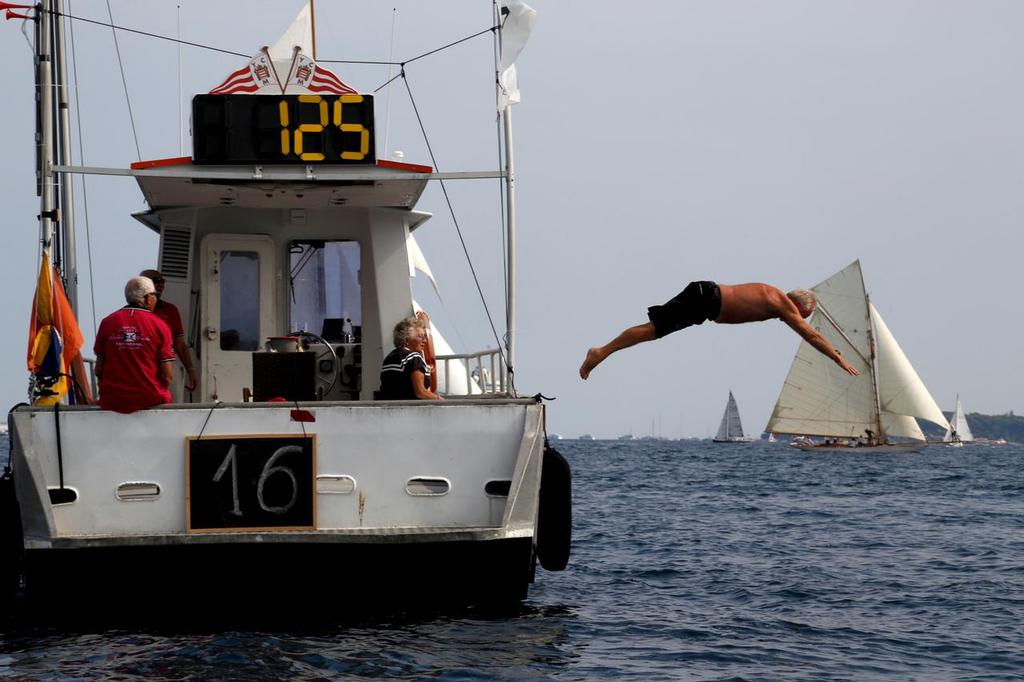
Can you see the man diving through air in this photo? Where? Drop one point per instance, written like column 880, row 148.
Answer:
column 724, row 304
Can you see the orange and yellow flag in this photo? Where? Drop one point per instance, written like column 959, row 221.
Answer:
column 54, row 338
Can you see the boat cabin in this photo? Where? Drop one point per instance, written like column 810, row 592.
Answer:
column 289, row 279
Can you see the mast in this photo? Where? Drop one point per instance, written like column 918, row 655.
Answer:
column 44, row 124
column 66, row 184
column 501, row 12
column 510, row 192
column 873, row 364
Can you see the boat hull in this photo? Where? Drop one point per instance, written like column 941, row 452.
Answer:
column 306, row 581
column 889, row 448
column 412, row 503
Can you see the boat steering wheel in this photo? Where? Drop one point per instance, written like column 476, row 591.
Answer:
column 320, row 356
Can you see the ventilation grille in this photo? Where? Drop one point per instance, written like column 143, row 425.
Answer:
column 175, row 252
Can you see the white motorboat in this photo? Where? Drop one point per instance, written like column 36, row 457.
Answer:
column 282, row 479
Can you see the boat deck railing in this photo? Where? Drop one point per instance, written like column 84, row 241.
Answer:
column 90, row 363
column 484, row 372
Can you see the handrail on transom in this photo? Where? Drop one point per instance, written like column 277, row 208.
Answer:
column 480, row 373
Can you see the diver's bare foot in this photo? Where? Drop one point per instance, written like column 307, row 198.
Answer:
column 594, row 357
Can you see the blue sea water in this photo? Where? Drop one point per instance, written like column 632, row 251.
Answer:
column 690, row 561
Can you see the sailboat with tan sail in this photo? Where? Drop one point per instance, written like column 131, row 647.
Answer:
column 876, row 410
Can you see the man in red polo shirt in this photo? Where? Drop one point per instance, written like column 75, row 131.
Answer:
column 134, row 353
column 168, row 312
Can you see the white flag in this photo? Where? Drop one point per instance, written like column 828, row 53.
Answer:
column 515, row 30
column 299, row 34
column 287, row 67
column 417, row 261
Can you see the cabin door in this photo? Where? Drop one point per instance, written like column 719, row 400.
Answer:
column 238, row 311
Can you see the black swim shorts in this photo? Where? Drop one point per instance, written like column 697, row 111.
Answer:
column 698, row 302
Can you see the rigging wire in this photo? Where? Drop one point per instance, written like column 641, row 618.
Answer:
column 455, row 221
column 402, row 64
column 147, row 33
column 388, row 82
column 124, row 81
column 81, row 156
column 413, row 59
column 371, row 62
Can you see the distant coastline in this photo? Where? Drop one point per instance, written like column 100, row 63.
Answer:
column 1007, row 426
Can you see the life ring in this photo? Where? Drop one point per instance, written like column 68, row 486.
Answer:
column 428, row 351
column 554, row 518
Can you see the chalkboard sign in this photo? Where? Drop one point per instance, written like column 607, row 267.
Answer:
column 244, row 482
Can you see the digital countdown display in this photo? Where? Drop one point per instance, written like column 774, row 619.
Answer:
column 306, row 129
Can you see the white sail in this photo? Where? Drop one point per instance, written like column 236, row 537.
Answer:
column 731, row 427
column 820, row 399
column 900, row 389
column 901, row 425
column 958, row 424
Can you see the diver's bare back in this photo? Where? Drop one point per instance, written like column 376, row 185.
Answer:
column 753, row 302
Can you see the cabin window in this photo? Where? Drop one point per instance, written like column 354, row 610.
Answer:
column 325, row 294
column 239, row 300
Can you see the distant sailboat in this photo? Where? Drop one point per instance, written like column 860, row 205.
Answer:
column 772, row 438
column 819, row 399
column 958, row 431
column 731, row 430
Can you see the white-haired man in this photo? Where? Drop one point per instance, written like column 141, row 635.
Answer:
column 724, row 304
column 134, row 354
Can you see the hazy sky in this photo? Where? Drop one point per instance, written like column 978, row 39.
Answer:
column 657, row 143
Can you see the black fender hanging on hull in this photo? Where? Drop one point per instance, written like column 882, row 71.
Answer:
column 554, row 522
column 11, row 544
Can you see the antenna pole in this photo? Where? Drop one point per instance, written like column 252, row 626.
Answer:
column 387, row 105
column 181, row 130
column 312, row 26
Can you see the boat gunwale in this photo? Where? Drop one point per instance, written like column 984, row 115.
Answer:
column 447, row 403
column 387, row 536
